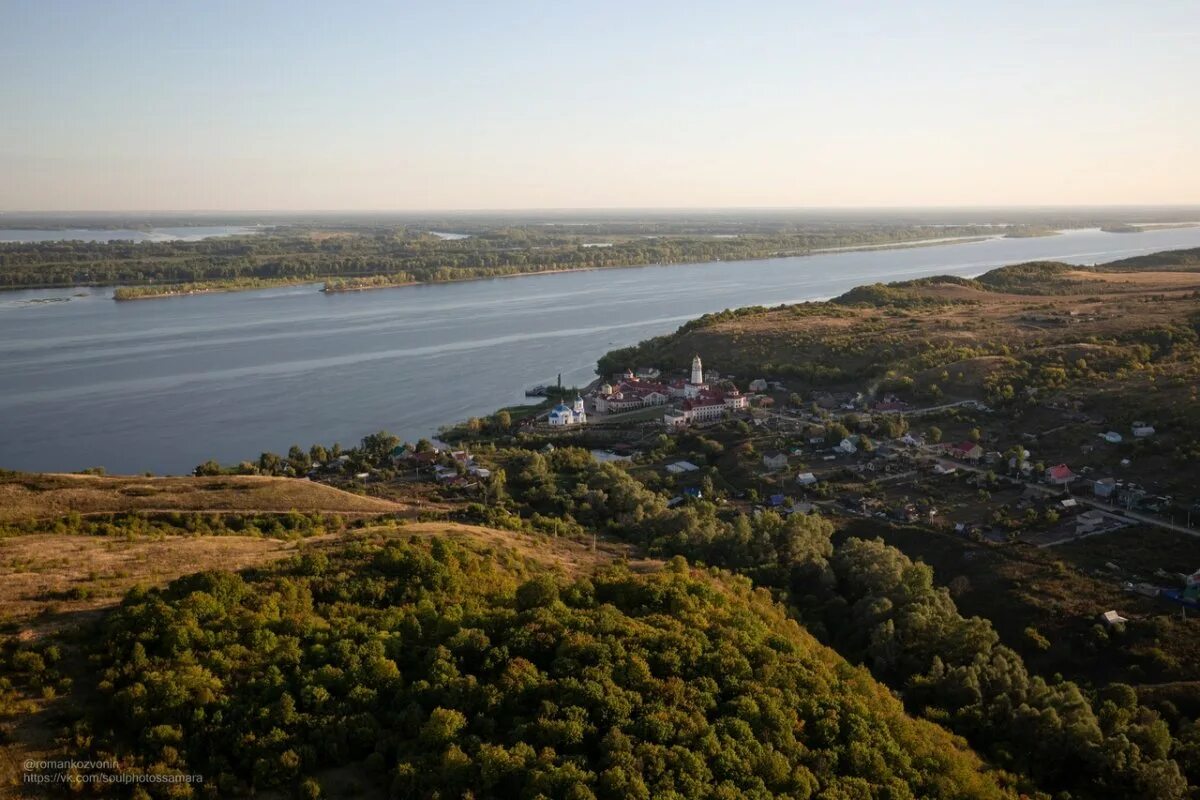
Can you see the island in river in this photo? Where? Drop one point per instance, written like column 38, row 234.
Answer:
column 364, row 252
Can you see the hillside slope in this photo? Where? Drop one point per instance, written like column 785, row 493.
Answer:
column 26, row 496
column 435, row 669
column 927, row 334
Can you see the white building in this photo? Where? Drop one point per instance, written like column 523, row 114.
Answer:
column 563, row 415
column 775, row 461
column 695, row 385
column 701, row 403
column 736, row 401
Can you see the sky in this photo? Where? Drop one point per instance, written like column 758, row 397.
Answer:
column 382, row 105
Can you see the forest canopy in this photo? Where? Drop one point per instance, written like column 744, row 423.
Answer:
column 440, row 671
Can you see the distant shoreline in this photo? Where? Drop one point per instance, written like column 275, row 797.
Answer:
column 167, row 293
column 147, row 291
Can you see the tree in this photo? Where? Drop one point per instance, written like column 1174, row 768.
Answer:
column 270, row 463
column 208, row 468
column 298, row 460
column 935, row 434
column 376, row 447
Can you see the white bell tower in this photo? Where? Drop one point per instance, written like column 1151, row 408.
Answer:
column 697, row 371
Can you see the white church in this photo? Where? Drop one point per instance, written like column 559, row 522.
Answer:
column 702, row 403
column 564, row 415
column 693, row 388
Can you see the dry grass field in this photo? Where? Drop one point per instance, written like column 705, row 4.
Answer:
column 50, row 496
column 47, row 580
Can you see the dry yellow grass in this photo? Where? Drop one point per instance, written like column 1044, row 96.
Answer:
column 49, row 496
column 50, row 579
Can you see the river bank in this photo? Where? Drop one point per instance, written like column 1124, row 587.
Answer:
column 185, row 290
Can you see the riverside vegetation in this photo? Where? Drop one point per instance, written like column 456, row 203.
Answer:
column 349, row 257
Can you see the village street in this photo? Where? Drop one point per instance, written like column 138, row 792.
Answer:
column 1118, row 513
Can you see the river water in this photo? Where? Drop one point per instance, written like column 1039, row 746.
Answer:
column 165, row 384
column 191, row 233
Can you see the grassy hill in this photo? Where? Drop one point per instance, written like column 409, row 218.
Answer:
column 26, row 496
column 1127, row 329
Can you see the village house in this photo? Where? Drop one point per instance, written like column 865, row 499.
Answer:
column 680, row 467
column 775, row 461
column 806, row 479
column 965, row 451
column 758, row 385
column 890, row 404
column 1104, row 487
column 1142, row 431
column 886, row 452
column 1059, row 475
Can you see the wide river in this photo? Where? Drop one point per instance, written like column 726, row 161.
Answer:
column 165, row 384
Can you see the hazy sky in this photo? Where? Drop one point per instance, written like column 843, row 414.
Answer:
column 391, row 105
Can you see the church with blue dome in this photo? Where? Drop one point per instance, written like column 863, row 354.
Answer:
column 563, row 414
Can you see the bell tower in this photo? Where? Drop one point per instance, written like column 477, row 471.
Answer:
column 697, row 371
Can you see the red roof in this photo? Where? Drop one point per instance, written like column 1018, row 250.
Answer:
column 1060, row 471
column 965, row 447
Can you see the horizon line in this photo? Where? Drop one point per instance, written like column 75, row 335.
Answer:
column 568, row 209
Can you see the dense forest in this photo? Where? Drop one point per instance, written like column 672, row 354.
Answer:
column 873, row 604
column 878, row 607
column 440, row 671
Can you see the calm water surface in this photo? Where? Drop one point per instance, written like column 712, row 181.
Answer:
column 165, row 384
column 191, row 233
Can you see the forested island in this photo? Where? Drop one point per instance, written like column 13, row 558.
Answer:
column 354, row 255
column 357, row 258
